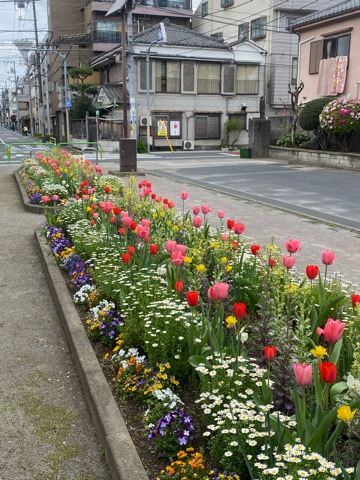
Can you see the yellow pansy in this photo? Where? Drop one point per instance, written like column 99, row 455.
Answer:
column 228, row 268
column 223, row 259
column 187, row 259
column 318, row 352
column 345, row 413
column 200, row 268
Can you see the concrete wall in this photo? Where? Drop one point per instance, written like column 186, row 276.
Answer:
column 316, row 158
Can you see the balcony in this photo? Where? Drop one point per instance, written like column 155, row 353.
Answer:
column 106, row 37
column 186, row 4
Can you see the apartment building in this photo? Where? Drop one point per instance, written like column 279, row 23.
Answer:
column 266, row 24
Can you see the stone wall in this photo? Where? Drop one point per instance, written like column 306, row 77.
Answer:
column 316, row 157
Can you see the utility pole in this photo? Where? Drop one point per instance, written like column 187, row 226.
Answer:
column 38, row 71
column 16, row 98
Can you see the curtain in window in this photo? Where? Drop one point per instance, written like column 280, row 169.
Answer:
column 247, row 79
column 209, row 78
column 173, row 77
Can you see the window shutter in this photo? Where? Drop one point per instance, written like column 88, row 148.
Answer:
column 316, row 54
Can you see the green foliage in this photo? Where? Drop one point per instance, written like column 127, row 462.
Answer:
column 81, row 105
column 83, row 93
column 285, row 140
column 232, row 130
column 141, row 147
column 309, row 117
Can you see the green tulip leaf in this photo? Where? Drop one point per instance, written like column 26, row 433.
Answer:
column 336, row 389
column 336, row 352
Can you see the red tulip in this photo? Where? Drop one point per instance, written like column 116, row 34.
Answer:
column 303, row 374
column 293, row 245
column 131, row 249
column 288, row 261
column 112, row 219
column 332, row 331
column 328, row 372
column 192, row 298
column 153, row 249
column 312, row 271
column 239, row 228
column 234, row 245
column 355, row 298
column 126, row 257
column 255, row 249
column 219, row 291
column 239, row 310
column 269, row 352
column 133, row 226
column 327, row 257
column 121, row 231
column 107, row 189
column 230, row 223
column 177, row 258
column 272, row 262
column 116, row 210
column 179, row 286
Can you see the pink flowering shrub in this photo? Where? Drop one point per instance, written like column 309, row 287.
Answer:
column 341, row 117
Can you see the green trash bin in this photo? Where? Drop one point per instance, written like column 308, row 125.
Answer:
column 245, row 152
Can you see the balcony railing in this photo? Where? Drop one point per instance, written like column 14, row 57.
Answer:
column 106, row 37
column 167, row 3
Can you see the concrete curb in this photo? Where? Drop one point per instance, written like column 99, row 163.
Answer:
column 122, row 458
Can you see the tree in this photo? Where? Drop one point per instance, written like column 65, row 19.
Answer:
column 82, row 93
column 295, row 109
column 309, row 119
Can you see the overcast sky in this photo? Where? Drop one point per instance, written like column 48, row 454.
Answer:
column 18, row 24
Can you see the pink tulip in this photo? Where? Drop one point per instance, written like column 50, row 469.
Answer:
column 170, row 246
column 197, row 221
column 196, row 210
column 124, row 213
column 95, row 215
column 45, row 199
column 55, row 198
column 180, row 248
column 219, row 291
column 177, row 258
column 142, row 232
column 293, row 245
column 327, row 257
column 205, row 209
column 239, row 228
column 332, row 331
column 184, row 195
column 288, row 261
column 303, row 374
column 145, row 222
column 126, row 221
column 221, row 213
column 224, row 237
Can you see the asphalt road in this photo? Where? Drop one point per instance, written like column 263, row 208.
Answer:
column 330, row 195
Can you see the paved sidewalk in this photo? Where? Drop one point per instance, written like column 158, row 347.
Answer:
column 47, row 431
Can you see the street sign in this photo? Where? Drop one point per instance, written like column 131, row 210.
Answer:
column 68, row 103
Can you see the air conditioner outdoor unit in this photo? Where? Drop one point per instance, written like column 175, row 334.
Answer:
column 188, row 145
column 144, row 122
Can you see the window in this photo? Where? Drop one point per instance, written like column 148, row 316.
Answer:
column 258, row 28
column 336, row 47
column 247, row 79
column 228, row 80
column 142, row 76
column 294, row 70
column 205, row 9
column 330, row 47
column 209, row 78
column 167, row 77
column 290, row 19
column 188, row 77
column 207, row 126
column 168, row 125
column 243, row 31
column 106, row 32
column 226, row 3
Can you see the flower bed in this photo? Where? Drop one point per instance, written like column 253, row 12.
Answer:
column 181, row 305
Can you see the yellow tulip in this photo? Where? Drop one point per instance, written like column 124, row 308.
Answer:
column 318, row 352
column 345, row 413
